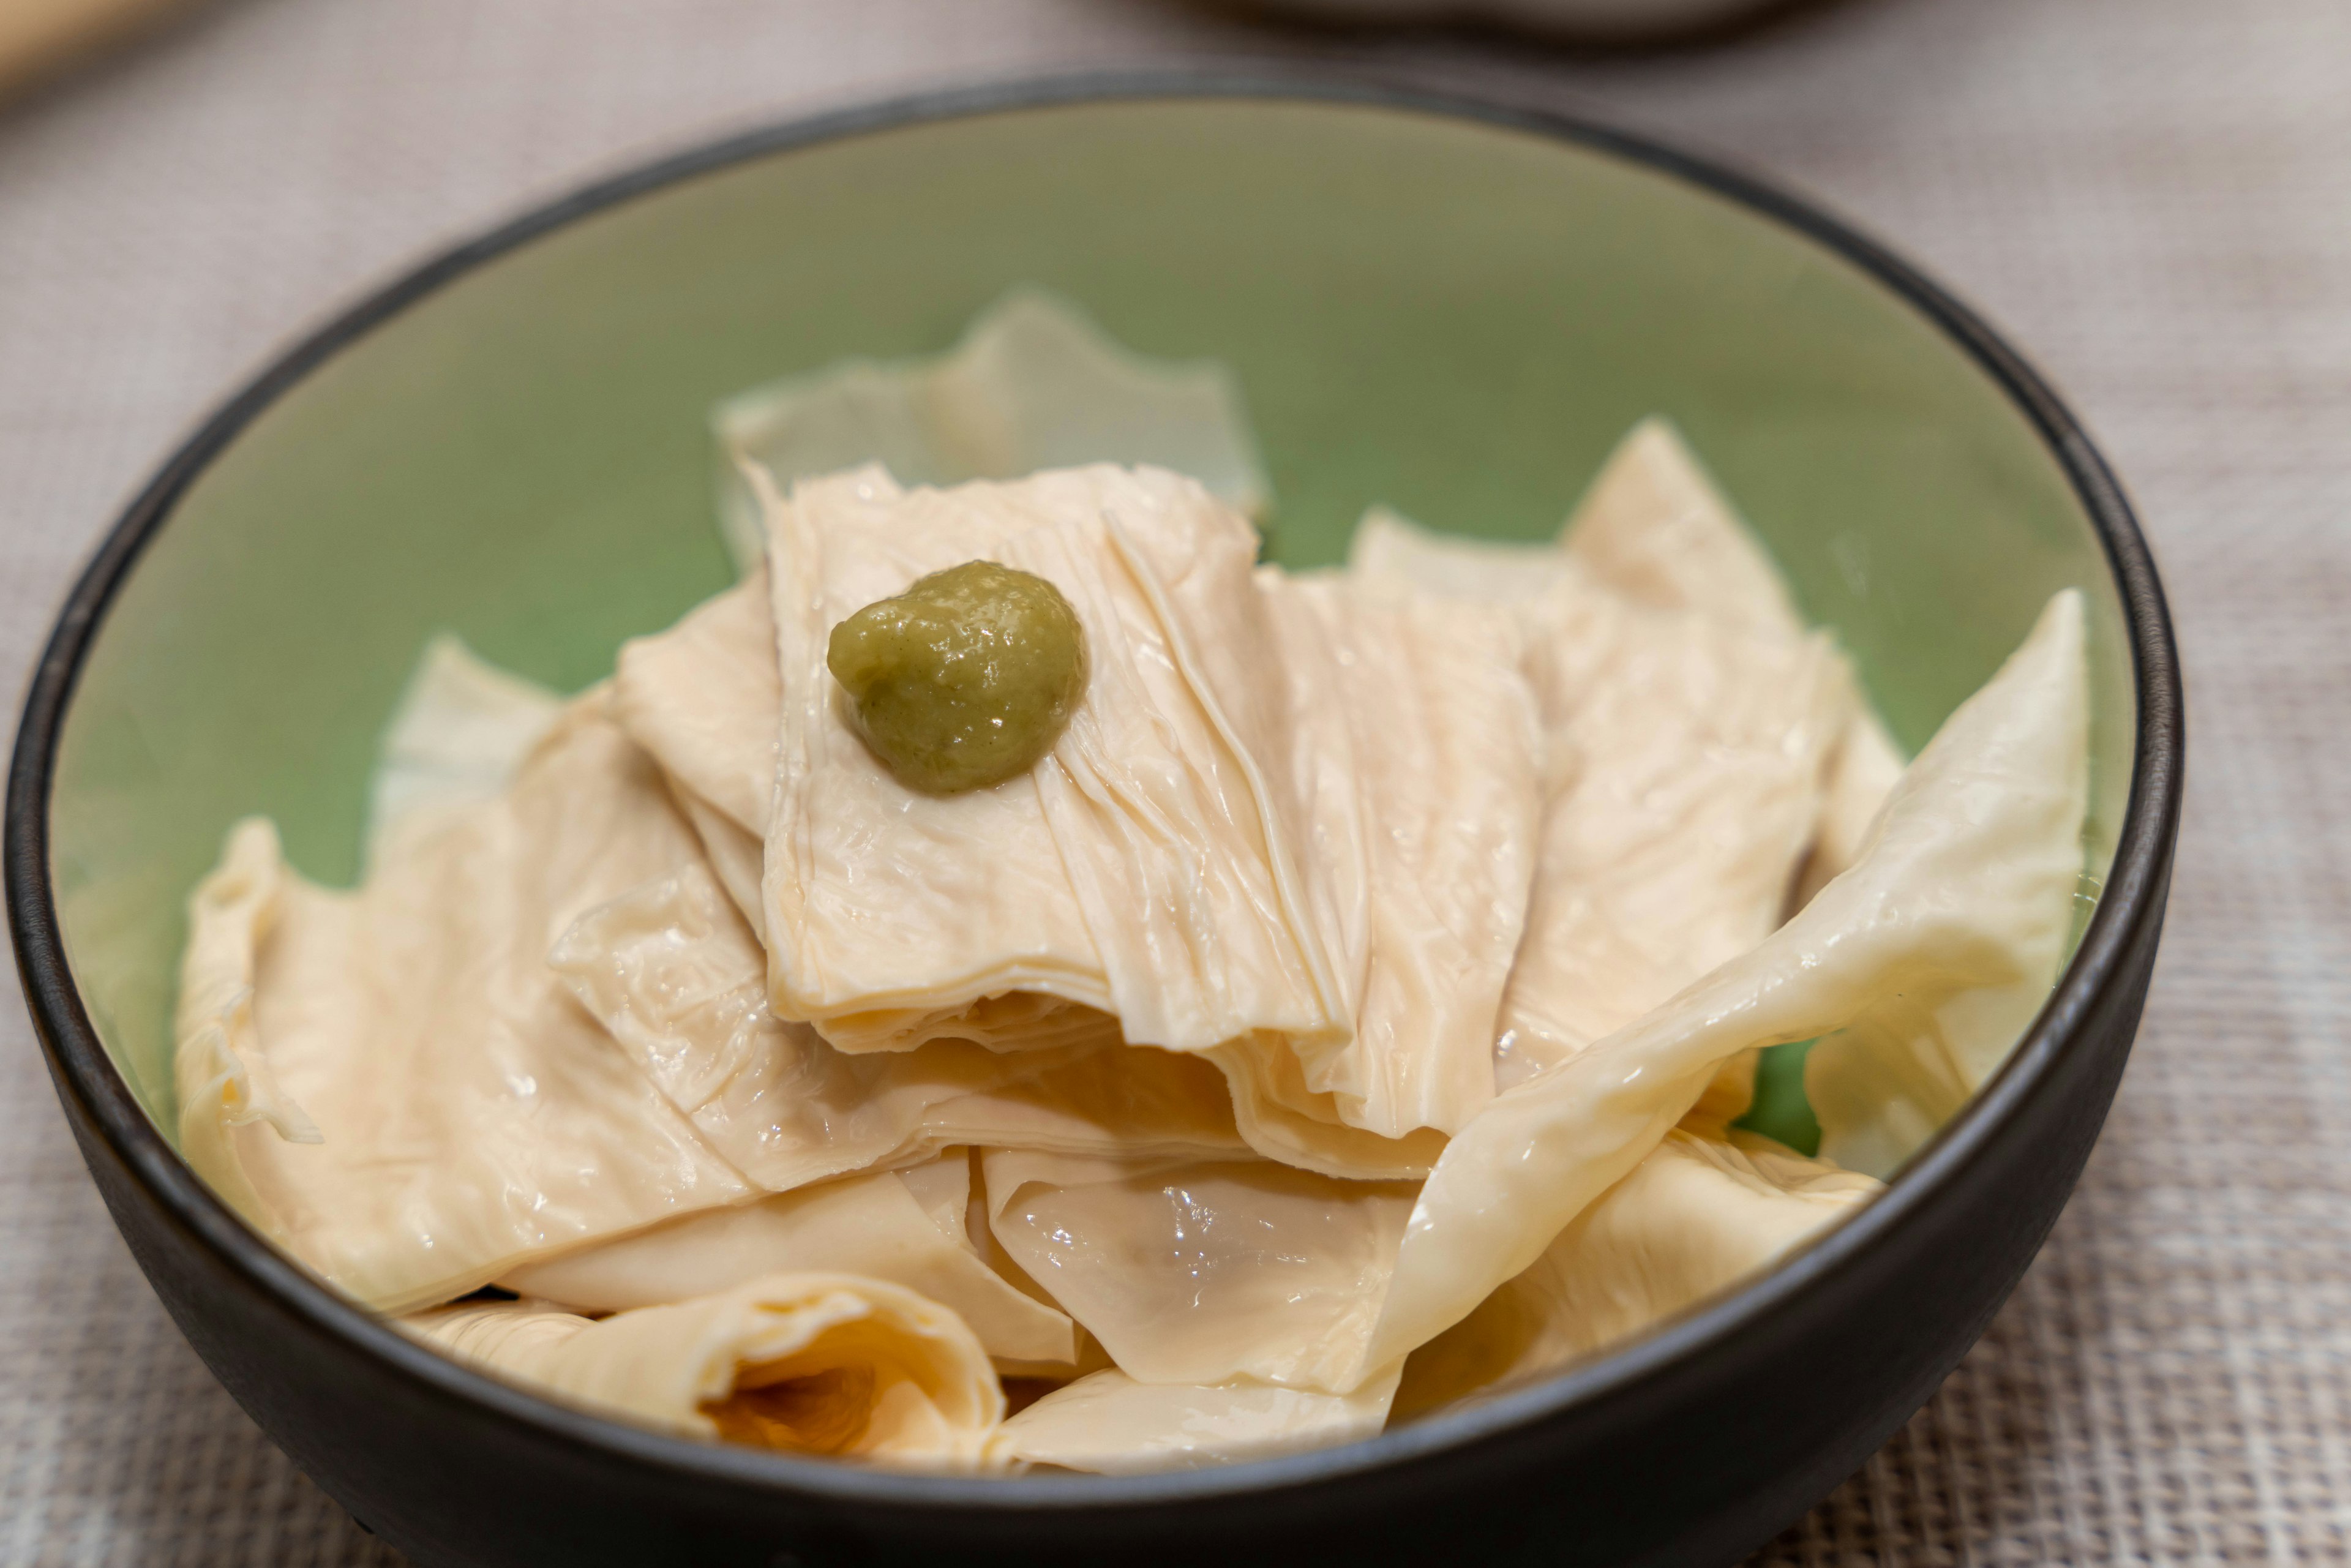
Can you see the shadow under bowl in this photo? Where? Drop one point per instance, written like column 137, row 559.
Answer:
column 1454, row 308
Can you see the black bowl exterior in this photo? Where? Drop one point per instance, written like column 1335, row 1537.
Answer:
column 1690, row 1445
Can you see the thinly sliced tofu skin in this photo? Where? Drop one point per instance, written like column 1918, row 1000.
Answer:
column 1863, row 772
column 736, row 858
column 468, row 1116
column 977, row 903
column 1161, row 762
column 942, row 1188
column 1933, row 952
column 804, row 1362
column 1137, row 873
column 1102, row 1100
column 1621, row 922
column 1220, row 640
column 1727, row 1096
column 1885, row 1082
column 1280, row 1118
column 1204, row 1271
column 1695, row 1215
column 1687, row 758
column 875, row 1226
column 1429, row 1079
column 1655, row 527
column 1034, row 385
column 1420, row 786
column 703, row 698
column 670, row 970
column 1111, row 1423
column 1390, row 553
column 461, row 729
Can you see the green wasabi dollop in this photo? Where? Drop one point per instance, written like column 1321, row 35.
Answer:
column 966, row 679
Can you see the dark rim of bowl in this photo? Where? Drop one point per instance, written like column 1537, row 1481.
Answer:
column 2130, row 904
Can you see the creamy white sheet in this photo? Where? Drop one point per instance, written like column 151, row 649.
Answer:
column 966, row 897
column 1139, row 870
column 1862, row 770
column 736, row 858
column 670, row 970
column 703, row 697
column 1390, row 552
column 1405, row 756
column 1034, row 384
column 808, row 1363
column 1204, row 1271
column 455, row 1112
column 877, row 1226
column 461, row 726
column 1655, row 527
column 1109, row 1423
column 1883, row 1081
column 1935, row 950
column 1652, row 526
column 1415, row 744
column 1695, row 1215
column 1280, row 1116
column 1686, row 760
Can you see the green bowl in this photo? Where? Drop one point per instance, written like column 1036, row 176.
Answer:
column 1452, row 309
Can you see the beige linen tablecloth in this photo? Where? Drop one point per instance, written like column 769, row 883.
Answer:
column 2154, row 195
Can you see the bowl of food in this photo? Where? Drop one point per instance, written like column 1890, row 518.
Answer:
column 1153, row 817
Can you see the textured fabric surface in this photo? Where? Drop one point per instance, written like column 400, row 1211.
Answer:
column 2155, row 195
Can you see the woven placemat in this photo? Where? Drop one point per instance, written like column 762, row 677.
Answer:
column 2154, row 194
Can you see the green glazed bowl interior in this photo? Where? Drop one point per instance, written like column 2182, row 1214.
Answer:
column 1455, row 318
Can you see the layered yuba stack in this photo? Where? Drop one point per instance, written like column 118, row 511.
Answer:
column 1349, row 1013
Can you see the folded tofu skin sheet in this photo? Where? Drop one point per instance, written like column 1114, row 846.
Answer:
column 1354, row 1011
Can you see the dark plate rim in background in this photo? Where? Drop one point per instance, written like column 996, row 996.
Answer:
column 2131, row 904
